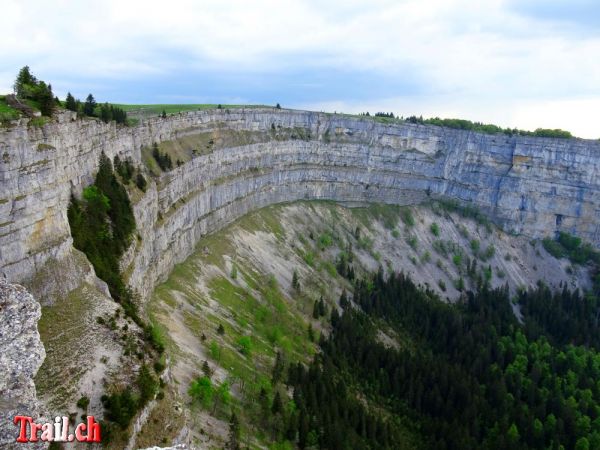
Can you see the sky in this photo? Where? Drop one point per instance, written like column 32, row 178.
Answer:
column 516, row 63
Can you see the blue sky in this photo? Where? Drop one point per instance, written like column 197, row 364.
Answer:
column 515, row 63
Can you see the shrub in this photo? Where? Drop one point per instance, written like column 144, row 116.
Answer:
column 325, row 240
column 83, row 402
column 407, row 217
column 435, row 229
column 147, row 384
column 489, row 252
column 120, row 407
column 163, row 159
column 426, row 257
column 140, row 182
column 309, row 258
column 244, row 345
column 457, row 260
column 202, row 390
column 412, row 241
column 568, row 241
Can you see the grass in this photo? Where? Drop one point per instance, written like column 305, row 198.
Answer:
column 7, row 113
column 169, row 416
column 61, row 327
column 145, row 111
column 200, row 142
column 264, row 220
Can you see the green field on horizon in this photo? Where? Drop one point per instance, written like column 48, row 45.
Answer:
column 150, row 110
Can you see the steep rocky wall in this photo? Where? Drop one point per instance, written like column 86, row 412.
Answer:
column 21, row 356
column 532, row 186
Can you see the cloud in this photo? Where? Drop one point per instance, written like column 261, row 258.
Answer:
column 482, row 60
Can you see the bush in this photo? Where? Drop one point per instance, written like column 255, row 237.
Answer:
column 407, row 217
column 412, row 241
column 244, row 345
column 83, row 402
column 554, row 248
column 457, row 260
column 425, row 257
column 325, row 240
column 163, row 159
column 435, row 229
column 147, row 384
column 489, row 252
column 140, row 182
column 568, row 241
column 202, row 390
column 442, row 285
column 153, row 335
column 120, row 408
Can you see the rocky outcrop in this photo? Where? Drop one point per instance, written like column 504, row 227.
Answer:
column 531, row 186
column 21, row 356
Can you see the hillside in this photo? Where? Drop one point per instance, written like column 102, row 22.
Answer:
column 242, row 278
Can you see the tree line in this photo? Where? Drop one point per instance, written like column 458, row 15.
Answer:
column 37, row 94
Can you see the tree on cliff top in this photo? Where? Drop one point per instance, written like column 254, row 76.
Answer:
column 89, row 106
column 25, row 80
column 71, row 103
column 39, row 94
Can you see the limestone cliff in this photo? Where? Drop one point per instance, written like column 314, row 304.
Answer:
column 21, row 356
column 531, row 186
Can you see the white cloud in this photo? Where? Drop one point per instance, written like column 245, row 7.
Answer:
column 480, row 60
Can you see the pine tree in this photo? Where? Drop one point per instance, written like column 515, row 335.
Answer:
column 322, row 309
column 105, row 113
column 278, row 368
column 344, row 300
column 277, row 405
column 263, row 401
column 234, row 433
column 206, row 369
column 25, row 80
column 140, row 182
column 295, row 282
column 89, row 106
column 315, row 313
column 45, row 98
column 70, row 103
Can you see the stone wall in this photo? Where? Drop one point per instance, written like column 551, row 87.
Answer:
column 532, row 186
column 21, row 357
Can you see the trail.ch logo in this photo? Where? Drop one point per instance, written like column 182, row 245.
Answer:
column 57, row 431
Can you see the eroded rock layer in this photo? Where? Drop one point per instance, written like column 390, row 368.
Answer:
column 21, row 356
column 532, row 186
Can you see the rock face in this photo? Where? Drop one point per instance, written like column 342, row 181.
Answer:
column 21, row 356
column 532, row 186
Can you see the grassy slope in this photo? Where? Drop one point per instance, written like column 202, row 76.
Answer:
column 202, row 293
column 266, row 247
column 7, row 112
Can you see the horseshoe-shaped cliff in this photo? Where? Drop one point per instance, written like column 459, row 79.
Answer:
column 532, row 186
